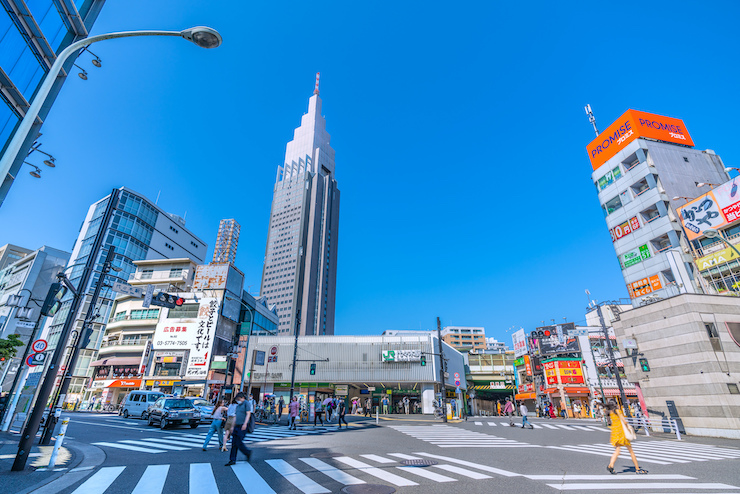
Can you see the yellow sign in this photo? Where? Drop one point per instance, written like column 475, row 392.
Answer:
column 161, row 383
column 721, row 257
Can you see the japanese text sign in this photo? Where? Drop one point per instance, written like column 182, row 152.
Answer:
column 715, row 209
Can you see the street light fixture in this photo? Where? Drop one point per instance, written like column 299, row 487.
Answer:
column 36, row 173
column 203, row 36
column 728, row 168
column 687, row 199
column 702, row 184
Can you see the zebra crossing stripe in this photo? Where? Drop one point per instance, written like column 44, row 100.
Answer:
column 403, row 456
column 295, row 477
column 549, row 426
column 144, row 442
column 463, row 472
column 375, row 472
column 130, row 448
column 581, row 427
column 693, row 449
column 378, row 459
column 492, row 424
column 479, row 423
column 100, row 481
column 152, row 482
column 638, row 485
column 589, row 450
column 601, row 429
column 477, row 466
column 334, row 473
column 427, row 474
column 202, row 479
column 566, row 427
column 642, row 455
column 629, row 476
column 250, row 479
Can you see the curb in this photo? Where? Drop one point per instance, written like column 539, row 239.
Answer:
column 90, row 457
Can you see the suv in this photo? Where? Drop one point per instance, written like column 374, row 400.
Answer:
column 173, row 411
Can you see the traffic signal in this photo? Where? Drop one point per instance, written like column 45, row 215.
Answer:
column 53, row 300
column 423, row 360
column 313, row 369
column 167, row 300
column 644, row 364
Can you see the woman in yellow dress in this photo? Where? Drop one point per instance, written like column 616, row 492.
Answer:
column 618, row 439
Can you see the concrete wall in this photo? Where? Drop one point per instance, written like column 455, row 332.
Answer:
column 686, row 365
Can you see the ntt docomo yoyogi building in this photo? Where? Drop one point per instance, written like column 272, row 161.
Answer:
column 644, row 167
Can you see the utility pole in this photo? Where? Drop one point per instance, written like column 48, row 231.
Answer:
column 613, row 362
column 443, row 389
column 295, row 354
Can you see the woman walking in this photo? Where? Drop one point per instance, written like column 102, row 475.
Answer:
column 293, row 411
column 217, row 426
column 318, row 413
column 618, row 438
column 229, row 426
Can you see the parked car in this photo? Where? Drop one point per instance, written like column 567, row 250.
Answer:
column 173, row 411
column 206, row 409
column 137, row 403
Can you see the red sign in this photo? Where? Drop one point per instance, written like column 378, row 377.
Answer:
column 525, row 388
column 273, row 350
column 527, row 365
column 125, row 383
column 625, row 229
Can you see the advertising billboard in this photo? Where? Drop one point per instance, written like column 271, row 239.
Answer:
column 644, row 286
column 625, row 228
column 635, row 256
column 632, row 125
column 715, row 209
column 558, row 341
column 721, row 257
column 563, row 372
column 520, row 343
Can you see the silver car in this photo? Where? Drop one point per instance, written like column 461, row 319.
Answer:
column 206, row 409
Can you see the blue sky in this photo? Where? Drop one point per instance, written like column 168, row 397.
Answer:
column 459, row 133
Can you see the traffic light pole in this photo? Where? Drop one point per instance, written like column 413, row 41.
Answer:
column 295, row 354
column 82, row 339
column 443, row 389
column 613, row 361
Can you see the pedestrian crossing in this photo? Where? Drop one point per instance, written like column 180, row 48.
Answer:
column 311, row 475
column 587, row 428
column 446, row 436
column 184, row 441
column 659, row 452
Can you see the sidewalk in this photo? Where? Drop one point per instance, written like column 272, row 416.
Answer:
column 35, row 474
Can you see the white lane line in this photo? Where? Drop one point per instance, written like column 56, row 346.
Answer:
column 549, row 426
column 335, row 473
column 590, row 451
column 130, row 448
column 296, row 478
column 174, row 441
column 634, row 476
column 470, row 464
column 423, row 472
column 250, row 480
column 378, row 459
column 465, row 473
column 152, row 482
column 375, row 472
column 404, row 457
column 100, row 481
column 202, row 479
column 599, row 487
column 155, row 445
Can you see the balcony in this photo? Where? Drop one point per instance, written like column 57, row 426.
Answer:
column 612, row 383
column 163, row 276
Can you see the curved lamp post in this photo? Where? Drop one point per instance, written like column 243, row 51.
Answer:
column 205, row 37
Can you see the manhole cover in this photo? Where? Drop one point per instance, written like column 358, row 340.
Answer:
column 419, row 463
column 326, row 455
column 368, row 489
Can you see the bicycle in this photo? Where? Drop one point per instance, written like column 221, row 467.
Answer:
column 438, row 410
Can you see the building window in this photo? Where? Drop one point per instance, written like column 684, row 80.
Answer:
column 686, row 159
column 733, row 389
column 146, row 274
column 120, row 316
column 185, row 311
column 612, row 205
column 145, row 314
column 175, row 272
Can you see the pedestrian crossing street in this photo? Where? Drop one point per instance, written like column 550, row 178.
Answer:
column 659, row 452
column 446, row 436
column 311, row 475
column 183, row 441
column 518, row 423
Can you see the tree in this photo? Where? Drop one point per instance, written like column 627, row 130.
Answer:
column 8, row 347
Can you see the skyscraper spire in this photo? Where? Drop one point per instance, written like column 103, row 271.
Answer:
column 316, row 89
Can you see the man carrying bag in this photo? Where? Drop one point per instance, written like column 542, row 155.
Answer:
column 243, row 423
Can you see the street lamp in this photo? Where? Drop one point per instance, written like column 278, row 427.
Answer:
column 205, row 37
column 687, row 199
column 702, row 184
column 712, row 233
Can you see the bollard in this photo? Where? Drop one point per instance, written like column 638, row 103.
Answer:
column 377, row 417
column 58, row 443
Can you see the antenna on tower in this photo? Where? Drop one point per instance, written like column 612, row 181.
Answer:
column 591, row 118
column 316, row 89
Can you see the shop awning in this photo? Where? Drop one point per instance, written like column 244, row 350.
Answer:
column 569, row 391
column 116, row 361
column 525, row 396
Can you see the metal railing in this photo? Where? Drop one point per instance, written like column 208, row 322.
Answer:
column 669, row 426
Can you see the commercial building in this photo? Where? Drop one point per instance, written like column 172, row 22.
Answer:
column 685, row 356
column 644, row 167
column 31, row 34
column 491, row 378
column 465, row 338
column 356, row 367
column 10, row 253
column 495, row 346
column 29, row 277
column 227, row 241
column 138, row 230
column 299, row 275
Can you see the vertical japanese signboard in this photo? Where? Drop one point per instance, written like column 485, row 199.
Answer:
column 520, row 343
column 203, row 341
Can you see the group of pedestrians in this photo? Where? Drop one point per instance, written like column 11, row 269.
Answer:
column 334, row 408
column 234, row 421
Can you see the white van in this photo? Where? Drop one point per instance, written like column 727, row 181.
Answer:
column 137, row 402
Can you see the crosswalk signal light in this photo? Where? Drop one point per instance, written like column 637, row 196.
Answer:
column 53, row 300
column 423, row 360
column 313, row 369
column 644, row 364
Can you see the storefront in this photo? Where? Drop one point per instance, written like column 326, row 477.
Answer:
column 109, row 392
column 485, row 397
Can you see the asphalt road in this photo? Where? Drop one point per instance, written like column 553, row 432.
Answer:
column 470, row 457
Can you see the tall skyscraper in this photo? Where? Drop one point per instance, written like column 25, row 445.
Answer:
column 299, row 274
column 226, row 241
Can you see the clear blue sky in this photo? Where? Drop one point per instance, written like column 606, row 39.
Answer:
column 459, row 133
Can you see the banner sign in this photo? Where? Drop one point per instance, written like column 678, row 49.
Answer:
column 715, row 209
column 559, row 341
column 401, row 356
column 520, row 343
column 644, row 286
column 625, row 228
column 497, row 385
column 634, row 256
column 525, row 388
column 568, row 372
column 721, row 257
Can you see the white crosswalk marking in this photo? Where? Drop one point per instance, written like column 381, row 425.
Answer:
column 155, row 445
column 549, row 426
column 427, row 474
column 296, row 478
column 403, row 456
column 599, row 487
column 470, row 464
column 100, row 481
column 446, row 436
column 152, row 482
column 566, row 477
column 250, row 480
column 330, row 471
column 581, row 428
column 479, row 423
column 600, row 429
column 659, row 452
column 378, row 459
column 375, row 472
column 492, row 424
column 202, row 479
column 129, row 447
column 461, row 471
column 566, row 427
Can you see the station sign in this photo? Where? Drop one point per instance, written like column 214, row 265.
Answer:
column 401, row 355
